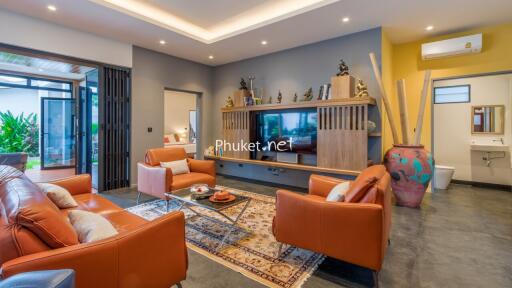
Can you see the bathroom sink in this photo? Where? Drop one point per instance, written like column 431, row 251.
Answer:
column 489, row 147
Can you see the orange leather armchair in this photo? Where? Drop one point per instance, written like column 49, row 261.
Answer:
column 143, row 254
column 357, row 232
column 155, row 180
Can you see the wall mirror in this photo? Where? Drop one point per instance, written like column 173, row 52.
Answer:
column 488, row 119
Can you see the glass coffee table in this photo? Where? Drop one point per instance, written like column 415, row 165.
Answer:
column 187, row 199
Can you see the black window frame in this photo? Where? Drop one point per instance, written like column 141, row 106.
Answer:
column 452, row 86
column 30, row 86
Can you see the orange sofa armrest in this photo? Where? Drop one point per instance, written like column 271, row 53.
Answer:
column 321, row 185
column 354, row 232
column 297, row 220
column 78, row 184
column 153, row 255
column 202, row 166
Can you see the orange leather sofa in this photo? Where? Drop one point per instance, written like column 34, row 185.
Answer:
column 155, row 180
column 356, row 231
column 36, row 235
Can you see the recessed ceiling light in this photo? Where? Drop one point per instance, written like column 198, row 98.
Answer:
column 345, row 19
column 429, row 28
column 52, row 8
column 264, row 42
column 210, row 57
column 162, row 42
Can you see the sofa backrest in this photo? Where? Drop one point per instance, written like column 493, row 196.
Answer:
column 16, row 160
column 29, row 221
column 156, row 155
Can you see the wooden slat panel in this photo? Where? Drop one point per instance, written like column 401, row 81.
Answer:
column 342, row 138
column 235, row 130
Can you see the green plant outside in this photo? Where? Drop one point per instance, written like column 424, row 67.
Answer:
column 31, row 163
column 19, row 133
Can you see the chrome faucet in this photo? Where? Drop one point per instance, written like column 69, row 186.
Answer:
column 499, row 140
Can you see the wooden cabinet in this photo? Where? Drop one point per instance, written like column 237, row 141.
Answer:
column 342, row 130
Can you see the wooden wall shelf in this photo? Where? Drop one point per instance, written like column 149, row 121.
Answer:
column 305, row 104
column 286, row 165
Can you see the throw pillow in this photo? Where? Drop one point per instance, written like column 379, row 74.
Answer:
column 177, row 167
column 90, row 226
column 337, row 193
column 60, row 196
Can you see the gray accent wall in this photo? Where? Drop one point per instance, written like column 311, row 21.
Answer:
column 295, row 70
column 152, row 73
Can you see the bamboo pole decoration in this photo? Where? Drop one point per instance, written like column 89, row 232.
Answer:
column 402, row 105
column 385, row 98
column 421, row 111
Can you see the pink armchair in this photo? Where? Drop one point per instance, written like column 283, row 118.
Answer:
column 155, row 180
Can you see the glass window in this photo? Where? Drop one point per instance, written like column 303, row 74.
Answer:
column 452, row 94
column 13, row 80
column 50, row 84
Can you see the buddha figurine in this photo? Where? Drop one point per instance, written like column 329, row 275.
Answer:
column 362, row 89
column 243, row 85
column 343, row 68
column 229, row 103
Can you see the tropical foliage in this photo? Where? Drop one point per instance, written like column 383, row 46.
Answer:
column 19, row 133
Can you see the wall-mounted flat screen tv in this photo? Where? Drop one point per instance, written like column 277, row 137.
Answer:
column 297, row 127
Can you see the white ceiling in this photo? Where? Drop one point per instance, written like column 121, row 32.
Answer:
column 226, row 28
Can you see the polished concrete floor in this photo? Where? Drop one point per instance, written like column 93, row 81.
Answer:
column 461, row 237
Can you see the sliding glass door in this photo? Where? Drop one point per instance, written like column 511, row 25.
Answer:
column 87, row 136
column 58, row 133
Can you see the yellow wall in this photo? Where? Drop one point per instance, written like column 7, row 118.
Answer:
column 406, row 60
column 387, row 81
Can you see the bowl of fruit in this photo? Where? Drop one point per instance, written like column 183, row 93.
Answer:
column 199, row 188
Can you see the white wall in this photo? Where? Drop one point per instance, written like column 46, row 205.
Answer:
column 19, row 30
column 176, row 113
column 452, row 130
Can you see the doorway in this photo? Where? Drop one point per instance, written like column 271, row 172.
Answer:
column 42, row 100
column 469, row 115
column 182, row 120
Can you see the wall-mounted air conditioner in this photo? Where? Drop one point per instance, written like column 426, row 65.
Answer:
column 452, row 47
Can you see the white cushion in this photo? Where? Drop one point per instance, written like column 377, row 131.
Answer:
column 60, row 196
column 90, row 226
column 337, row 193
column 177, row 167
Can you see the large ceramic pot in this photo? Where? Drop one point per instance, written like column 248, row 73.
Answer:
column 411, row 169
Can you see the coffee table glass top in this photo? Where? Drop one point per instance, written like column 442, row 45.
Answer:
column 185, row 195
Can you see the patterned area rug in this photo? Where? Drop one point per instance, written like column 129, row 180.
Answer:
column 251, row 249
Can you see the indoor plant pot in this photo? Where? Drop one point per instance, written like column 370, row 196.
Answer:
column 410, row 167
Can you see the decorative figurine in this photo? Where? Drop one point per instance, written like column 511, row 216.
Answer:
column 343, row 68
column 279, row 97
column 229, row 103
column 320, row 93
column 362, row 89
column 248, row 101
column 295, row 97
column 243, row 85
column 308, row 96
column 270, row 100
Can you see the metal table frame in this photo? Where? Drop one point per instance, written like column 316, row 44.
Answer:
column 189, row 203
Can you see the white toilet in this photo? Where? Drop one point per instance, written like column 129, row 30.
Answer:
column 443, row 176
